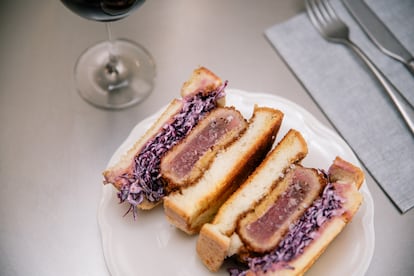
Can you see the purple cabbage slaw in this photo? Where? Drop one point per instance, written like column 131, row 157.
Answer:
column 299, row 235
column 145, row 181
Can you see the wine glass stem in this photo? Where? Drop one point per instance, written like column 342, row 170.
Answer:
column 113, row 60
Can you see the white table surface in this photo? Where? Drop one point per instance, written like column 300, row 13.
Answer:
column 54, row 146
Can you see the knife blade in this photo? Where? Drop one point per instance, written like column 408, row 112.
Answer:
column 378, row 32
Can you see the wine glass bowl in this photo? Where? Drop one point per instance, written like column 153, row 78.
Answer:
column 103, row 10
column 113, row 74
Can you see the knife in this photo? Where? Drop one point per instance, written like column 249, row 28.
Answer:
column 379, row 33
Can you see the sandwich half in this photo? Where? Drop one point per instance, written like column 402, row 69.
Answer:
column 309, row 236
column 137, row 174
column 284, row 216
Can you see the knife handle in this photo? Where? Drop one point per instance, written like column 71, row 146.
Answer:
column 410, row 66
column 400, row 102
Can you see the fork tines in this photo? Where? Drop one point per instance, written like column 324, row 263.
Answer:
column 325, row 19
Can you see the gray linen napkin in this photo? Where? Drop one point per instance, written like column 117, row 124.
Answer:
column 351, row 98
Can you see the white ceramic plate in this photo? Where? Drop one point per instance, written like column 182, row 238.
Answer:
column 150, row 246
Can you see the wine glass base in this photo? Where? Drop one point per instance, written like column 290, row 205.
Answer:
column 115, row 75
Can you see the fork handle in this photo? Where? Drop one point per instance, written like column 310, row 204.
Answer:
column 403, row 106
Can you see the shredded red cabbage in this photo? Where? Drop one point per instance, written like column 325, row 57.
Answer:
column 145, row 181
column 299, row 235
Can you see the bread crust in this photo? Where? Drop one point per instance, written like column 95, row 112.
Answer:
column 212, row 246
column 191, row 215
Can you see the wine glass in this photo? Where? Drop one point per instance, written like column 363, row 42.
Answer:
column 113, row 74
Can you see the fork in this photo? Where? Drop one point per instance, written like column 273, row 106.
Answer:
column 333, row 29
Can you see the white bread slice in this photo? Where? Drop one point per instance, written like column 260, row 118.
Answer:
column 192, row 207
column 218, row 240
column 348, row 179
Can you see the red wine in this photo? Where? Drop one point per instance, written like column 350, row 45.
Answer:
column 102, row 10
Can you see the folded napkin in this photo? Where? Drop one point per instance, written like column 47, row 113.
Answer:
column 351, row 97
